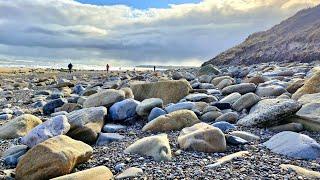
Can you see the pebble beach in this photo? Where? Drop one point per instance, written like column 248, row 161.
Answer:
column 211, row 122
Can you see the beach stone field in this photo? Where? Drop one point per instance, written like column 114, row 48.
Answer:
column 212, row 122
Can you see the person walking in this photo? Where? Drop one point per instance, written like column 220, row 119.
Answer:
column 70, row 67
column 154, row 68
column 107, row 68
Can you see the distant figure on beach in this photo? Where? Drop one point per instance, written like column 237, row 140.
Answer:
column 107, row 68
column 70, row 67
column 154, row 68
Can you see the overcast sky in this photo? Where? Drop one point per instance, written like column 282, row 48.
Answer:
column 150, row 32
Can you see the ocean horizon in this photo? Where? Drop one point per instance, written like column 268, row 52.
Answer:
column 79, row 65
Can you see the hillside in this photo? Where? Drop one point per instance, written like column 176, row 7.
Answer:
column 295, row 39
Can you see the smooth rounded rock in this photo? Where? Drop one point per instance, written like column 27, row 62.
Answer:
column 172, row 121
column 202, row 137
column 144, row 108
column 123, row 110
column 294, row 145
column 155, row 146
column 53, row 127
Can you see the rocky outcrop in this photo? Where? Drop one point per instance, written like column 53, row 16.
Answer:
column 295, row 39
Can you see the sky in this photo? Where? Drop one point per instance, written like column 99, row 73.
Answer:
column 134, row 32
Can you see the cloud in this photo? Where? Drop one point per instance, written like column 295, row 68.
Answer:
column 189, row 33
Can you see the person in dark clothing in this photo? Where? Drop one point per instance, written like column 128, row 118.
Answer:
column 107, row 68
column 154, row 68
column 70, row 67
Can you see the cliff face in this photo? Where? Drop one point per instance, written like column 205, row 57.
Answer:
column 295, row 39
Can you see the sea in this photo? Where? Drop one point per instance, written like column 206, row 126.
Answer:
column 58, row 64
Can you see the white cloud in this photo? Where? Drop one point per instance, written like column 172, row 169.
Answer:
column 188, row 33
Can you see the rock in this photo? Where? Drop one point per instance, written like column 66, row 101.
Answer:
column 200, row 97
column 156, row 112
column 235, row 140
column 309, row 116
column 224, row 83
column 155, row 146
column 5, row 116
column 180, row 106
column 295, row 127
column 270, row 91
column 215, row 81
column 210, row 116
column 59, row 113
column 230, row 117
column 52, row 105
column 203, row 138
column 208, row 70
column 78, row 89
column 106, row 138
column 294, row 145
column 172, row 121
column 224, row 126
column 69, row 107
column 255, row 79
column 231, row 98
column 144, row 108
column 86, row 123
column 311, row 86
column 228, row 158
column 269, row 112
column 309, row 98
column 128, row 93
column 294, row 86
column 96, row 173
column 242, row 88
column 246, row 101
column 112, row 128
column 54, row 157
column 53, row 127
column 123, row 110
column 245, row 135
column 104, row 98
column 168, row 91
column 183, row 75
column 19, row 126
column 301, row 171
column 222, row 106
column 129, row 173
column 11, row 156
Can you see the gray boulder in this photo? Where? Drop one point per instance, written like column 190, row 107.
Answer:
column 269, row 112
column 294, row 145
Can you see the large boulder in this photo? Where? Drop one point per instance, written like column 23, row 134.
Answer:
column 294, row 145
column 311, row 86
column 269, row 112
column 309, row 115
column 123, row 110
column 168, row 91
column 172, row 121
column 19, row 126
column 96, row 173
column 155, row 146
column 53, row 127
column 54, row 157
column 86, row 123
column 203, row 138
column 309, row 98
column 104, row 98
